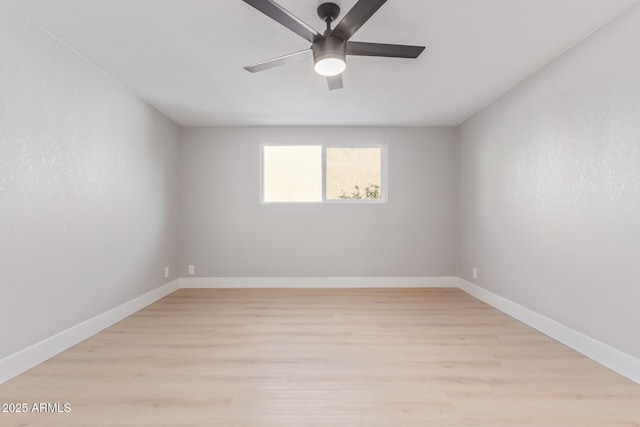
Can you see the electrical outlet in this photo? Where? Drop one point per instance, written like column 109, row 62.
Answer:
column 166, row 272
column 192, row 269
column 475, row 273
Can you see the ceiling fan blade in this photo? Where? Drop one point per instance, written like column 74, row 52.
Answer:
column 276, row 12
column 380, row 49
column 335, row 82
column 356, row 17
column 276, row 62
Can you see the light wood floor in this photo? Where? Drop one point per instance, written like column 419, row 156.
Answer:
column 352, row 357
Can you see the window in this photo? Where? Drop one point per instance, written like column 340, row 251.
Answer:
column 292, row 173
column 338, row 173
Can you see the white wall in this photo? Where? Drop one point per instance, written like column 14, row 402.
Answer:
column 550, row 189
column 227, row 232
column 88, row 189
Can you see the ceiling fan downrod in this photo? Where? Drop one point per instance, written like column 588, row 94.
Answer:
column 328, row 12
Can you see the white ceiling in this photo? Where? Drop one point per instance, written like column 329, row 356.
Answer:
column 185, row 57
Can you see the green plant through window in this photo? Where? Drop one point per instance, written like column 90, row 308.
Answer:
column 371, row 191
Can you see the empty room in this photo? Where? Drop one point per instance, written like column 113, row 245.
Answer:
column 309, row 213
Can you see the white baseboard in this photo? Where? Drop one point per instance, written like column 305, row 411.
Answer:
column 614, row 359
column 318, row 282
column 23, row 360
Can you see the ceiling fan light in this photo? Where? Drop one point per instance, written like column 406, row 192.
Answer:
column 329, row 56
column 330, row 66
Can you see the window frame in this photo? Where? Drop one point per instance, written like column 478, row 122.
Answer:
column 324, row 145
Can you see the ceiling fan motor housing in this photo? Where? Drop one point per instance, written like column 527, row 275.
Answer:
column 329, row 47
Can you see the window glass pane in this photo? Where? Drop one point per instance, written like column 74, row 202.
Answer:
column 354, row 173
column 292, row 173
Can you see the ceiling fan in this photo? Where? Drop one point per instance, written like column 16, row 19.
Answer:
column 331, row 48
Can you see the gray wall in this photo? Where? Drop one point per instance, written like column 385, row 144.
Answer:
column 550, row 189
column 88, row 189
column 227, row 232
